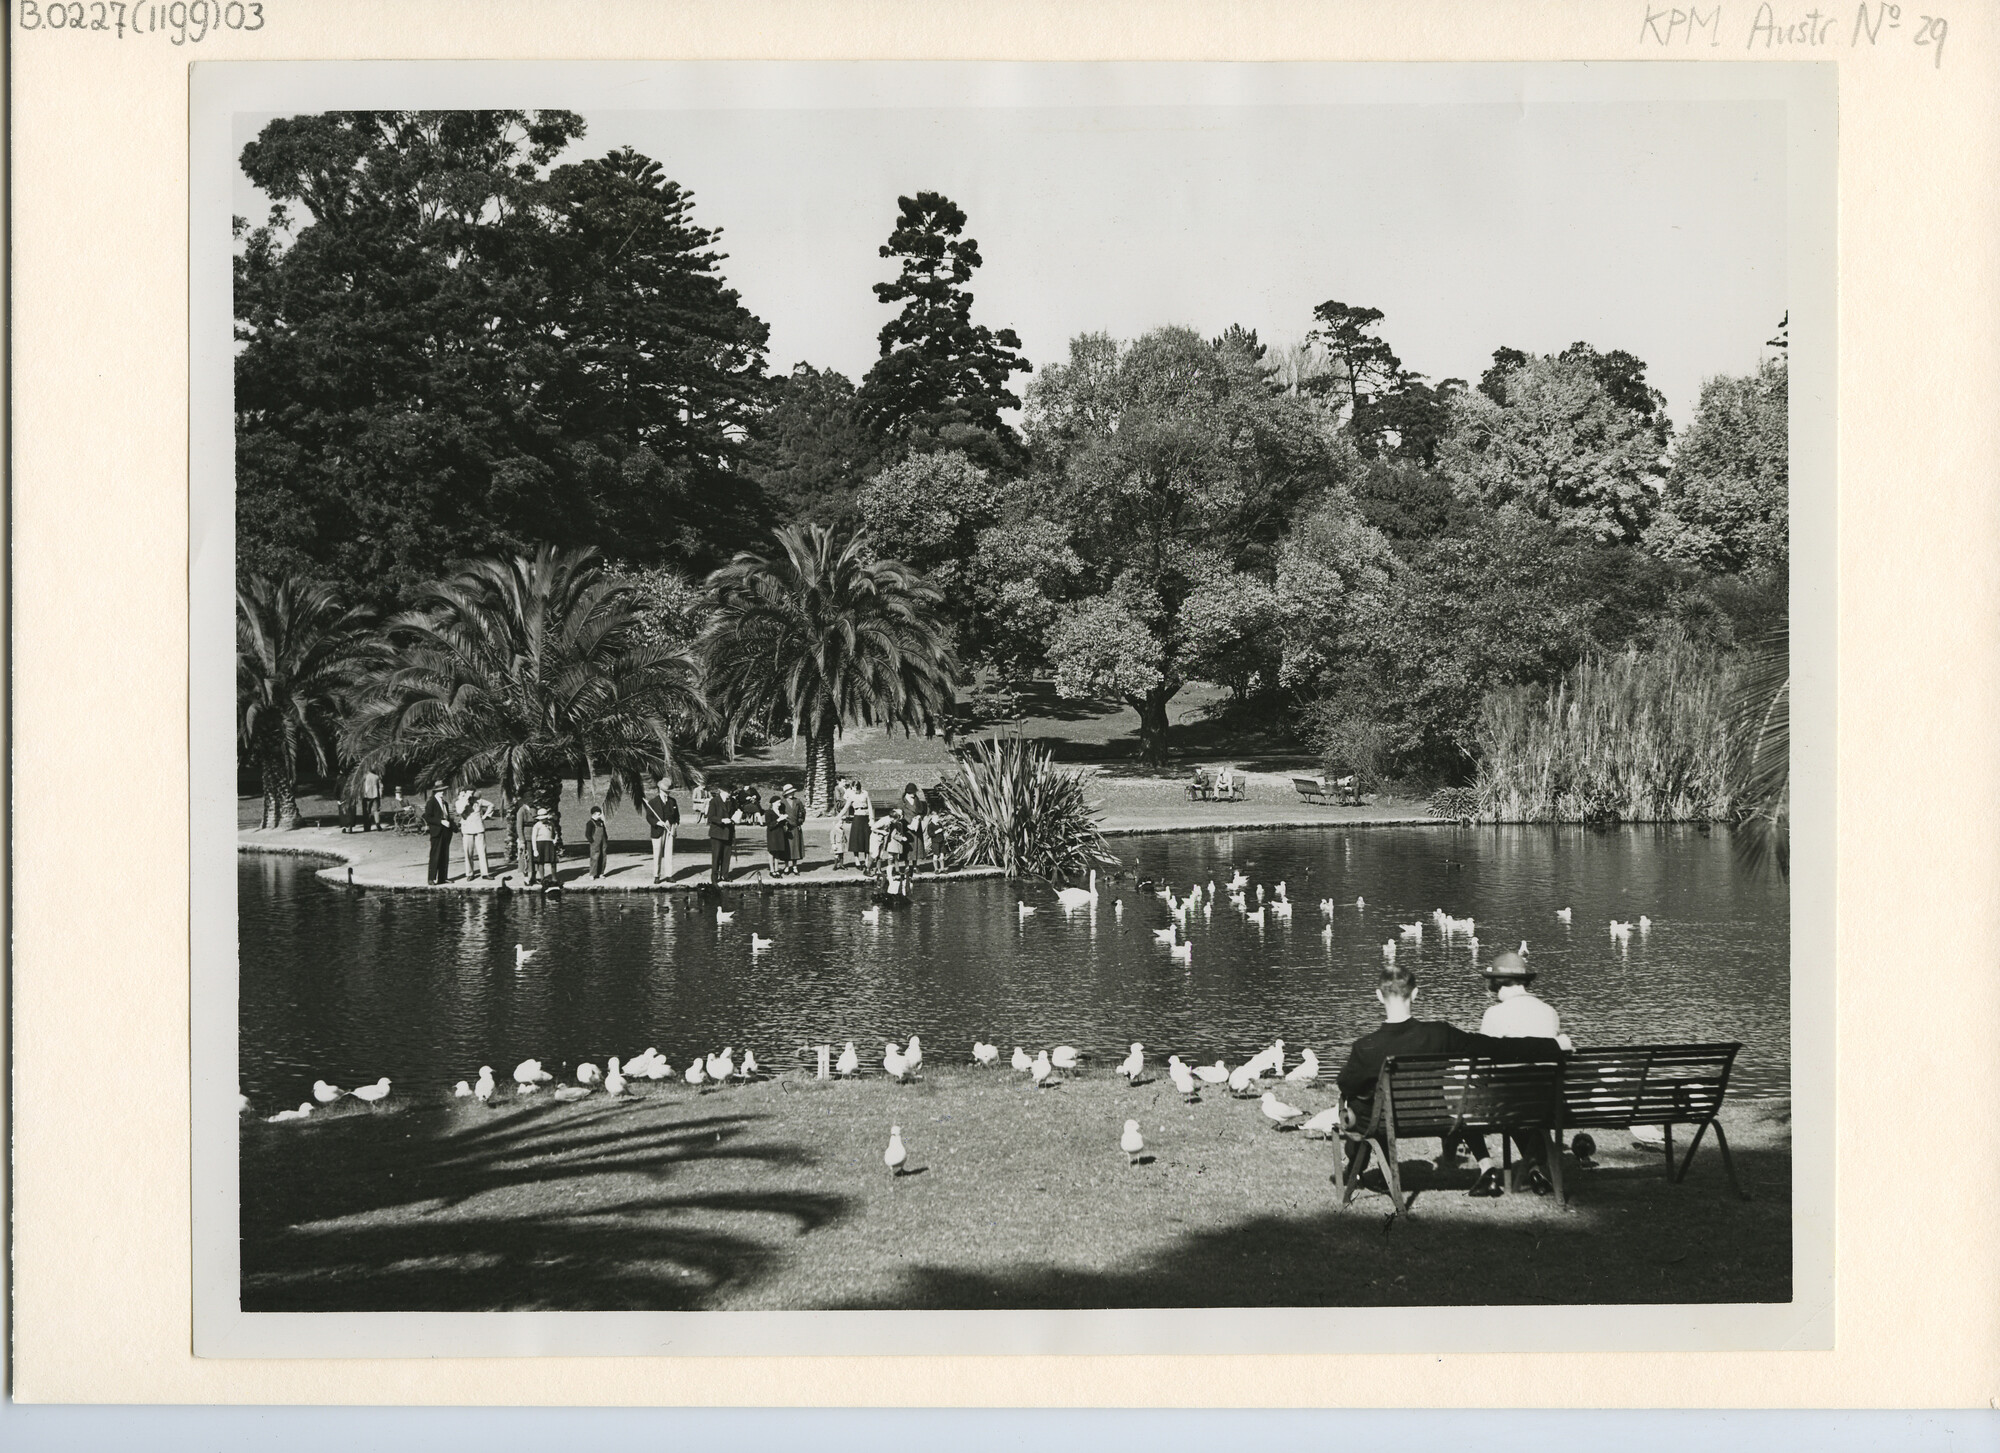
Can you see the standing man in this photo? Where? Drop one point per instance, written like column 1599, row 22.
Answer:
column 795, row 819
column 371, row 800
column 662, row 813
column 437, row 818
column 721, row 832
column 597, row 837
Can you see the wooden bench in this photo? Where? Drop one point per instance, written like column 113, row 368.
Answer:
column 1321, row 793
column 1619, row 1086
column 1225, row 785
column 1420, row 1097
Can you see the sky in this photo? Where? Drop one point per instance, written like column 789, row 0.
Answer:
column 1655, row 227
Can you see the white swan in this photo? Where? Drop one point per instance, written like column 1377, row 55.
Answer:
column 1131, row 1142
column 1079, row 897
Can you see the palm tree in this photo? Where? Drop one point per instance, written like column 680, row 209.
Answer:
column 528, row 672
column 297, row 651
column 818, row 632
column 1762, row 727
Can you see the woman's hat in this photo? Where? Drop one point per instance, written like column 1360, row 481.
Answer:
column 790, row 787
column 541, row 812
column 1508, row 967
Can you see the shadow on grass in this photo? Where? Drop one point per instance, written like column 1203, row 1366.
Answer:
column 1631, row 1237
column 451, row 1217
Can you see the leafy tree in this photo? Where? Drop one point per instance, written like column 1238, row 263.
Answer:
column 1407, row 502
column 1021, row 572
column 1493, row 382
column 297, row 653
column 1409, row 421
column 1727, row 502
column 1173, row 470
column 457, row 353
column 669, row 606
column 810, row 449
column 528, row 671
column 1364, row 366
column 1331, row 564
column 940, row 376
column 1562, row 443
column 820, row 633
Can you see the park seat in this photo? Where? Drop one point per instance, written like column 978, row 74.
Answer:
column 1202, row 787
column 1429, row 1096
column 1314, row 790
column 1619, row 1086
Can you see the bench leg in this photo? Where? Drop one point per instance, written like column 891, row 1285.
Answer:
column 1555, row 1160
column 1507, row 1162
column 1728, row 1162
column 1353, row 1159
column 1686, row 1160
column 1668, row 1130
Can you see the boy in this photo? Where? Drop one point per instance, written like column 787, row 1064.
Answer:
column 542, row 867
column 597, row 837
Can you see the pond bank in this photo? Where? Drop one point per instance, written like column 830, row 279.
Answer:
column 773, row 1194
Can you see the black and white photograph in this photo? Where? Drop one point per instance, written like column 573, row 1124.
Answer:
column 1008, row 689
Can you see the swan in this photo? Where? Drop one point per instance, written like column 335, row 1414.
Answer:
column 305, row 1109
column 1021, row 1062
column 1134, row 1064
column 1278, row 1112
column 522, row 955
column 1215, row 1074
column 1183, row 951
column 757, row 943
column 326, row 1094
column 370, row 1094
column 614, row 1082
column 1307, row 1070
column 1040, row 1069
column 1079, row 897
column 1325, row 1124
column 586, row 1074
column 984, row 1054
column 871, row 915
column 1131, row 1142
column 1063, row 1057
column 848, row 1062
column 895, row 1155
column 483, row 1090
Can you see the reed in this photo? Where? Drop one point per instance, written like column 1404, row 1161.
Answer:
column 1010, row 807
column 1643, row 736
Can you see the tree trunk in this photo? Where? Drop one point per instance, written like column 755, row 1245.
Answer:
column 819, row 771
column 1152, row 709
column 281, row 803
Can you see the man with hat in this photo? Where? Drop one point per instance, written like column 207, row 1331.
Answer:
column 1515, row 1013
column 438, row 819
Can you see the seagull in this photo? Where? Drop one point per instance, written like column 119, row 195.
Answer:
column 1238, row 881
column 614, row 1082
column 1063, row 1057
column 567, row 1093
column 749, row 1066
column 1256, row 918
column 1523, row 949
column 1131, row 1142
column 372, row 1093
column 529, row 1073
column 1211, row 888
column 695, row 1073
column 242, row 1102
column 1279, row 891
column 1389, row 951
column 721, row 1066
column 1134, row 1064
column 1118, row 908
column 522, row 955
column 1473, row 944
column 984, row 1054
column 1325, row 1124
column 1214, row 1074
column 1307, row 1071
column 894, row 1063
column 1166, row 935
column 305, row 1109
column 895, row 1155
column 1361, row 903
column 1241, row 1077
column 1645, row 924
column 326, row 1094
column 726, row 916
column 1326, row 906
column 1279, row 907
column 1260, row 893
column 1025, row 910
column 1079, row 897
column 1326, row 935
column 914, row 1053
column 1183, row 951
column 1021, row 1062
column 586, row 1074
column 871, row 915
column 1414, row 930
column 1620, row 930
column 848, row 1062
column 1182, row 1077
column 484, row 1089
column 461, row 1090
column 757, row 943
column 1040, row 1069
column 1278, row 1112
column 1563, row 914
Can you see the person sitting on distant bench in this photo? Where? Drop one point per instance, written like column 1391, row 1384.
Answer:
column 1402, row 1035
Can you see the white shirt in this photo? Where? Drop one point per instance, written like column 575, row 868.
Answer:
column 1520, row 1015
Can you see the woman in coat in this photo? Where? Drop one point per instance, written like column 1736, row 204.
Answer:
column 778, row 837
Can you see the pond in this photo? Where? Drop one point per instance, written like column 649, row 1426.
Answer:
column 424, row 988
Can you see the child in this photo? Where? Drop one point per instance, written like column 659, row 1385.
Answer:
column 543, row 866
column 597, row 836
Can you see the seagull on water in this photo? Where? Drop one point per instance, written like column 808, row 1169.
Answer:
column 1326, row 906
column 1278, row 1112
column 871, row 915
column 1361, row 903
column 1645, row 924
column 725, row 916
column 1024, row 910
column 1134, row 1064
column 848, row 1062
column 369, row 1094
column 757, row 943
column 1131, row 1142
column 1413, row 930
column 1562, row 914
column 522, row 955
column 1280, row 908
column 895, row 1155
column 305, row 1109
column 1166, row 935
column 1389, row 951
column 1183, row 951
column 1620, row 930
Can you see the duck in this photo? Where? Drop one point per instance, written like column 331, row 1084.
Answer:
column 1215, row 1074
column 1278, row 1112
column 326, row 1094
column 1024, row 910
column 372, row 1094
column 1134, row 1064
column 894, row 1062
column 614, row 1079
column 1079, row 897
column 522, row 955
column 483, row 1090
column 1562, row 915
column 848, row 1062
column 305, row 1109
column 871, row 915
column 1021, row 1062
column 1324, row 1125
column 1306, row 1071
column 587, row 1074
column 757, row 943
column 1040, row 1069
column 1063, row 1057
column 1131, row 1142
column 984, row 1054
column 1183, row 951
column 895, row 1156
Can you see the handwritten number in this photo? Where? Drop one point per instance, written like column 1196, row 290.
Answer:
column 1934, row 27
column 256, row 11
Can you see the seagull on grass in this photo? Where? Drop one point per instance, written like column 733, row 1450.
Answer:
column 371, row 1094
column 1131, row 1142
column 848, row 1062
column 984, row 1054
column 1134, row 1064
column 305, row 1109
column 326, row 1094
column 1307, row 1071
column 1021, row 1062
column 895, row 1156
column 1278, row 1112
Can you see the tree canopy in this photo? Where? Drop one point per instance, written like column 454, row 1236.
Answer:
column 1727, row 503
column 458, row 351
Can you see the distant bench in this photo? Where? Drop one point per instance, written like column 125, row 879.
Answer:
column 1421, row 1097
column 1346, row 792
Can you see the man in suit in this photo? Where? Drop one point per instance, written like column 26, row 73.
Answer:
column 721, row 833
column 661, row 813
column 438, row 819
column 371, row 800
column 1401, row 1034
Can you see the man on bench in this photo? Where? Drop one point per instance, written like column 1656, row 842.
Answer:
column 1401, row 1034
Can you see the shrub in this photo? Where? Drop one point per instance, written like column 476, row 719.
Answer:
column 1010, row 807
column 1454, row 803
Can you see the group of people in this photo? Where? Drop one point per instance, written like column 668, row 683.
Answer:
column 1517, row 1025
column 892, row 846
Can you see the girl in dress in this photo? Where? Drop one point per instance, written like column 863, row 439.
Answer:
column 858, row 813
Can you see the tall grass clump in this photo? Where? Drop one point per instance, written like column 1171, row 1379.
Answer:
column 1010, row 807
column 1645, row 736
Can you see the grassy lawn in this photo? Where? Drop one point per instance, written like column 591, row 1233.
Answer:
column 774, row 1195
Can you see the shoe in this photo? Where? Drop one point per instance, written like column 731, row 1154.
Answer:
column 1538, row 1181
column 1488, row 1184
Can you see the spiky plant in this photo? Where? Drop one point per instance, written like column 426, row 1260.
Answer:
column 297, row 653
column 1762, row 729
column 1010, row 807
column 525, row 671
